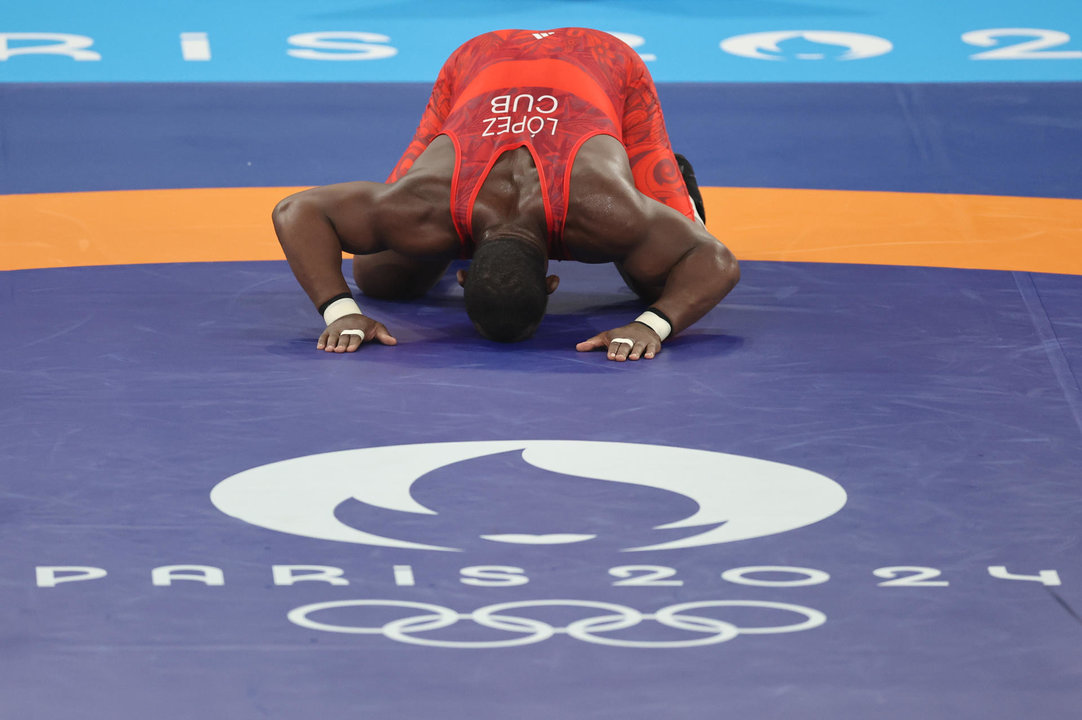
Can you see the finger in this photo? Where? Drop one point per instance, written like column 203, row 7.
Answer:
column 383, row 335
column 636, row 352
column 342, row 343
column 619, row 349
column 595, row 343
column 353, row 337
column 322, row 342
column 652, row 349
column 332, row 342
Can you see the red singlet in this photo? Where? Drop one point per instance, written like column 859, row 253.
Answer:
column 549, row 91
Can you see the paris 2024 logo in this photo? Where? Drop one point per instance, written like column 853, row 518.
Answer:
column 541, row 492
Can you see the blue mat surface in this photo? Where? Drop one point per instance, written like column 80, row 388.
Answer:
column 970, row 138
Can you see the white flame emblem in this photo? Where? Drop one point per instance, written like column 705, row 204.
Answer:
column 751, row 497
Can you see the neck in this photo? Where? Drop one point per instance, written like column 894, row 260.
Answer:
column 511, row 230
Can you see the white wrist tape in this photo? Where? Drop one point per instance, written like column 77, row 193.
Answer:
column 656, row 323
column 339, row 309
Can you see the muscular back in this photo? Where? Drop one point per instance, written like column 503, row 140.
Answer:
column 509, row 202
column 608, row 219
column 605, row 215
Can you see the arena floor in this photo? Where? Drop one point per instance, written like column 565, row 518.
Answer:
column 851, row 491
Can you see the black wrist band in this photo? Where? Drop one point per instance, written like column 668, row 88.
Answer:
column 336, row 298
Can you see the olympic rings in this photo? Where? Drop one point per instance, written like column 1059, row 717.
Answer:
column 442, row 617
column 528, row 631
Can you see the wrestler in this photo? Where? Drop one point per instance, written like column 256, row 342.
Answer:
column 534, row 146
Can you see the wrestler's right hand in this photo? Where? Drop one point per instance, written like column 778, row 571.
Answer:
column 348, row 332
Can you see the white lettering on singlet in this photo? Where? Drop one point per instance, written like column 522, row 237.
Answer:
column 520, row 114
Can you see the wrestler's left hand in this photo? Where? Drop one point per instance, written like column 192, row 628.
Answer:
column 333, row 339
column 644, row 343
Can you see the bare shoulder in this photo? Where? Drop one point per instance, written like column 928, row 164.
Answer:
column 425, row 189
column 606, row 215
column 413, row 214
column 608, row 218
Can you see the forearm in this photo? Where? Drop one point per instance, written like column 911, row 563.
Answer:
column 312, row 248
column 694, row 284
column 697, row 283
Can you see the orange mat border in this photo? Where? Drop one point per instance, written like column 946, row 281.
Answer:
column 227, row 224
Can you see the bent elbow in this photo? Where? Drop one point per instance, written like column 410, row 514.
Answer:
column 286, row 209
column 730, row 266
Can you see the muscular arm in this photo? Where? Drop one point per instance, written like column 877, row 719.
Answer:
column 672, row 263
column 680, row 268
column 316, row 225
column 400, row 234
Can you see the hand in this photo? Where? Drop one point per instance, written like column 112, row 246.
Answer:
column 333, row 339
column 645, row 343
